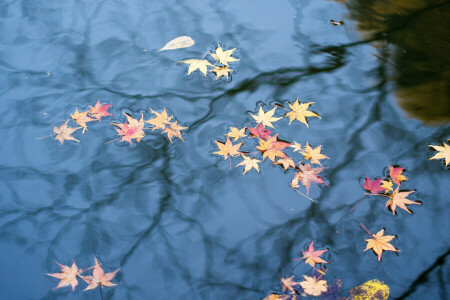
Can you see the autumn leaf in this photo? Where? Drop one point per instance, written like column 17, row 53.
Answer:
column 131, row 130
column 228, row 148
column 249, row 163
column 99, row 111
column 270, row 148
column 286, row 163
column 174, row 130
column 236, row 133
column 288, row 284
column 81, row 118
column 177, row 43
column 274, row 296
column 68, row 276
column 265, row 118
column 64, row 133
column 387, row 186
column 313, row 256
column 370, row 290
column 380, row 243
column 297, row 147
column 373, row 187
column 224, row 57
column 300, row 112
column 396, row 174
column 195, row 64
column 160, row 121
column 260, row 131
column 313, row 154
column 306, row 175
column 221, row 71
column 443, row 153
column 313, row 286
column 399, row 199
column 99, row 278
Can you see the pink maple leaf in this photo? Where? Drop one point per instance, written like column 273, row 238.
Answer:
column 313, row 256
column 260, row 131
column 99, row 111
column 373, row 187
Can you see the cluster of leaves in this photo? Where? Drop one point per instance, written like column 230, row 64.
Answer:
column 70, row 275
column 315, row 285
column 384, row 187
column 273, row 148
column 133, row 129
column 95, row 113
column 220, row 66
column 443, row 152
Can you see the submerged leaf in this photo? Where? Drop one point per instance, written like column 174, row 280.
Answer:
column 371, row 290
column 177, row 43
column 313, row 286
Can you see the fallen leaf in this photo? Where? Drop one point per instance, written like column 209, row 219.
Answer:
column 99, row 278
column 224, row 57
column 313, row 154
column 236, row 133
column 249, row 163
column 387, row 186
column 81, row 118
column 370, row 290
column 313, row 286
column 443, row 153
column 194, row 64
column 306, row 175
column 399, row 199
column 299, row 112
column 373, row 187
column 379, row 243
column 227, row 148
column 286, row 163
column 174, row 130
column 177, row 43
column 68, row 276
column 288, row 284
column 396, row 174
column 99, row 111
column 270, row 148
column 221, row 71
column 260, row 131
column 131, row 130
column 274, row 296
column 265, row 118
column 64, row 133
column 160, row 121
column 313, row 256
column 297, row 147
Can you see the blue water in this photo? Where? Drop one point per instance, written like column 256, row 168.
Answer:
column 172, row 216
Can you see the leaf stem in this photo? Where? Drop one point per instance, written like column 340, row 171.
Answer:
column 365, row 229
column 312, row 200
column 44, row 137
column 112, row 141
column 101, row 293
column 359, row 201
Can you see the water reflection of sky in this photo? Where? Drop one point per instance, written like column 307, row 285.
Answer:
column 178, row 223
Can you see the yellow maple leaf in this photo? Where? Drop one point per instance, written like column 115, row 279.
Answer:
column 370, row 290
column 194, row 64
column 271, row 148
column 174, row 130
column 224, row 57
column 227, row 148
column 236, row 133
column 286, row 163
column 387, row 186
column 160, row 121
column 249, row 163
column 313, row 154
column 299, row 112
column 313, row 286
column 266, row 118
column 297, row 147
column 221, row 71
column 65, row 133
column 68, row 276
column 82, row 118
column 379, row 243
column 443, row 153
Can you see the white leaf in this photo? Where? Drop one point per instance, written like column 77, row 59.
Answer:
column 179, row 42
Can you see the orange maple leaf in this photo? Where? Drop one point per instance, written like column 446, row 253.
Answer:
column 396, row 174
column 81, row 118
column 399, row 199
column 228, row 148
column 271, row 148
column 99, row 278
column 380, row 242
column 68, row 275
column 99, row 111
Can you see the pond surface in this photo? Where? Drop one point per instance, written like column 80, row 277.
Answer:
column 176, row 220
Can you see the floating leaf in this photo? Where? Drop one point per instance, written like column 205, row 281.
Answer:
column 81, row 118
column 380, row 242
column 373, row 187
column 221, row 71
column 265, row 118
column 396, row 174
column 443, row 153
column 371, row 290
column 399, row 199
column 64, row 133
column 99, row 110
column 249, row 163
column 313, row 154
column 174, row 130
column 68, row 276
column 313, row 286
column 194, row 64
column 178, row 43
column 99, row 278
column 228, row 148
column 224, row 57
column 313, row 256
column 299, row 112
column 236, row 133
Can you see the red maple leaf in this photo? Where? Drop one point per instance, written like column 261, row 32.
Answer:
column 127, row 132
column 260, row 131
column 373, row 187
column 313, row 256
column 396, row 174
column 99, row 111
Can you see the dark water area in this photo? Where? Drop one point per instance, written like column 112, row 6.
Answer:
column 172, row 216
